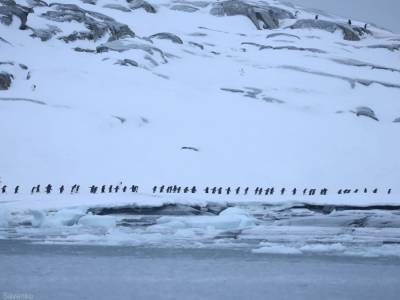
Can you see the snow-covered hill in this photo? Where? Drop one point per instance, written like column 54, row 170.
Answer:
column 226, row 93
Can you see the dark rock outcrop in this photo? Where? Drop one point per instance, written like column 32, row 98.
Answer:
column 184, row 7
column 350, row 33
column 167, row 36
column 197, row 45
column 272, row 35
column 5, row 80
column 357, row 63
column 393, row 47
column 45, row 34
column 127, row 62
column 397, row 120
column 121, row 46
column 262, row 15
column 366, row 112
column 98, row 25
column 9, row 9
column 351, row 81
column 293, row 48
column 85, row 50
column 136, row 4
column 22, row 100
column 37, row 3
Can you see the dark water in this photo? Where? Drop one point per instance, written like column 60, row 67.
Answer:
column 33, row 271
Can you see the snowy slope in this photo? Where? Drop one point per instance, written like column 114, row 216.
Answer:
column 99, row 100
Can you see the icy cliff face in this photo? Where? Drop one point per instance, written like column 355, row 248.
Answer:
column 196, row 92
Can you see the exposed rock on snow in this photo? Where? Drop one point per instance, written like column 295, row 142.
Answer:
column 135, row 4
column 127, row 62
column 367, row 112
column 184, row 7
column 37, row 3
column 190, row 148
column 167, row 36
column 351, row 81
column 131, row 44
column 272, row 35
column 352, row 33
column 79, row 49
column 357, row 63
column 98, row 25
column 255, row 93
column 268, row 16
column 23, row 100
column 45, row 34
column 117, row 7
column 294, row 48
column 4, row 41
column 121, row 119
column 197, row 45
column 9, row 8
column 92, row 2
column 5, row 80
column 232, row 90
column 397, row 120
column 393, row 47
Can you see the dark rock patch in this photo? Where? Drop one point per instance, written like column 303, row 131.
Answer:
column 37, row 3
column 273, row 100
column 92, row 2
column 351, row 81
column 394, row 47
column 190, row 148
column 127, row 62
column 366, row 112
column 232, row 90
column 79, row 49
column 120, row 46
column 5, row 80
column 201, row 4
column 397, row 120
column 9, row 9
column 198, row 34
column 98, row 25
column 23, row 100
column 272, row 35
column 357, row 63
column 350, row 33
column 167, row 36
column 184, row 8
column 5, row 41
column 293, row 48
column 45, row 34
column 121, row 119
column 197, row 45
column 136, row 4
column 261, row 15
